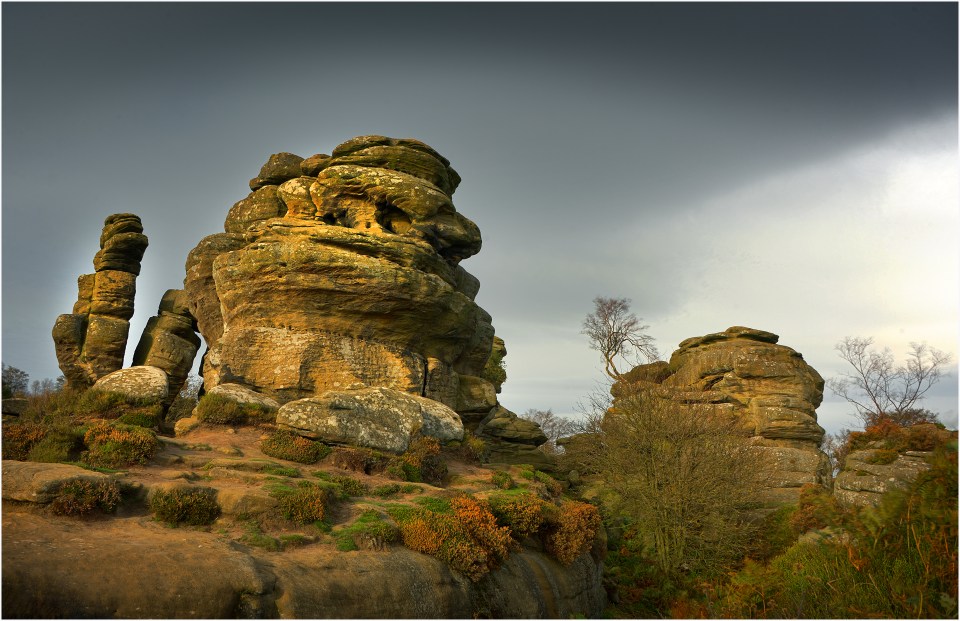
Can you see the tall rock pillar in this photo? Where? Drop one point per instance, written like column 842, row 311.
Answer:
column 91, row 341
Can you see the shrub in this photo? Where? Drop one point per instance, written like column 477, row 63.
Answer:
column 420, row 463
column 304, row 505
column 495, row 371
column 523, row 514
column 467, row 539
column 19, row 438
column 194, row 506
column 62, row 442
column 572, row 531
column 287, row 445
column 502, row 480
column 220, row 410
column 472, row 448
column 139, row 419
column 351, row 486
column 112, row 405
column 116, row 444
column 369, row 531
column 358, row 460
column 83, row 496
column 386, row 490
column 882, row 456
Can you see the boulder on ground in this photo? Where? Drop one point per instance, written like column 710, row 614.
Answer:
column 143, row 382
column 378, row 418
column 28, row 481
column 243, row 395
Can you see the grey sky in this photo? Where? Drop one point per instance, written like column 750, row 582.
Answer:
column 788, row 167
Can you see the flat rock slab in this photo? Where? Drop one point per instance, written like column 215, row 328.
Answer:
column 377, row 418
column 29, row 481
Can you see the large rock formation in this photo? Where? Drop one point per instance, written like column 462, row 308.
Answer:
column 342, row 272
column 769, row 387
column 91, row 341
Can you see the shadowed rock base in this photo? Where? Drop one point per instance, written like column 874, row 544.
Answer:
column 136, row 568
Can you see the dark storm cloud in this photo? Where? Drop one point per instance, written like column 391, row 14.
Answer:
column 570, row 123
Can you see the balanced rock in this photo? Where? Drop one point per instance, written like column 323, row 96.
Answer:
column 343, row 272
column 169, row 342
column 377, row 418
column 767, row 386
column 141, row 382
column 91, row 341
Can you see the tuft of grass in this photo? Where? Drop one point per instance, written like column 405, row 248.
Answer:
column 305, row 504
column 220, row 410
column 420, row 463
column 390, row 489
column 115, row 444
column 195, row 506
column 369, row 531
column 287, row 445
column 82, row 497
column 435, row 504
column 502, row 480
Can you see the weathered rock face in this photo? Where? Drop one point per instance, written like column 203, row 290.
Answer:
column 91, row 341
column 379, row 418
column 769, row 387
column 878, row 467
column 170, row 342
column 342, row 272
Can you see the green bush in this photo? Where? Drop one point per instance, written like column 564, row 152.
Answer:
column 195, row 506
column 139, row 419
column 83, row 496
column 284, row 444
column 369, row 531
column 220, row 410
column 502, row 480
column 61, row 443
column 523, row 514
column 468, row 539
column 19, row 438
column 112, row 405
column 115, row 444
column 351, row 486
column 420, row 463
column 305, row 504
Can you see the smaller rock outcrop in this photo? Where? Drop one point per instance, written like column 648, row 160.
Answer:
column 769, row 387
column 379, row 418
column 881, row 464
column 90, row 342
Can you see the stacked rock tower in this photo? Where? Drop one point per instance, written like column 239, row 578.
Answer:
column 91, row 341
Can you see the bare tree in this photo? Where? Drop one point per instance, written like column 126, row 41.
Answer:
column 879, row 388
column 554, row 427
column 15, row 381
column 617, row 333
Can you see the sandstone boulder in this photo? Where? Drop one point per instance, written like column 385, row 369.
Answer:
column 377, row 418
column 863, row 481
column 341, row 272
column 27, row 481
column 243, row 395
column 141, row 382
column 768, row 387
column 504, row 425
column 278, row 168
column 91, row 341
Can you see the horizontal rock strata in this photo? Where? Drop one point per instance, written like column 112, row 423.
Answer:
column 768, row 387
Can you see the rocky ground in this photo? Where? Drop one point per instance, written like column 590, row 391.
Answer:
column 251, row 562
